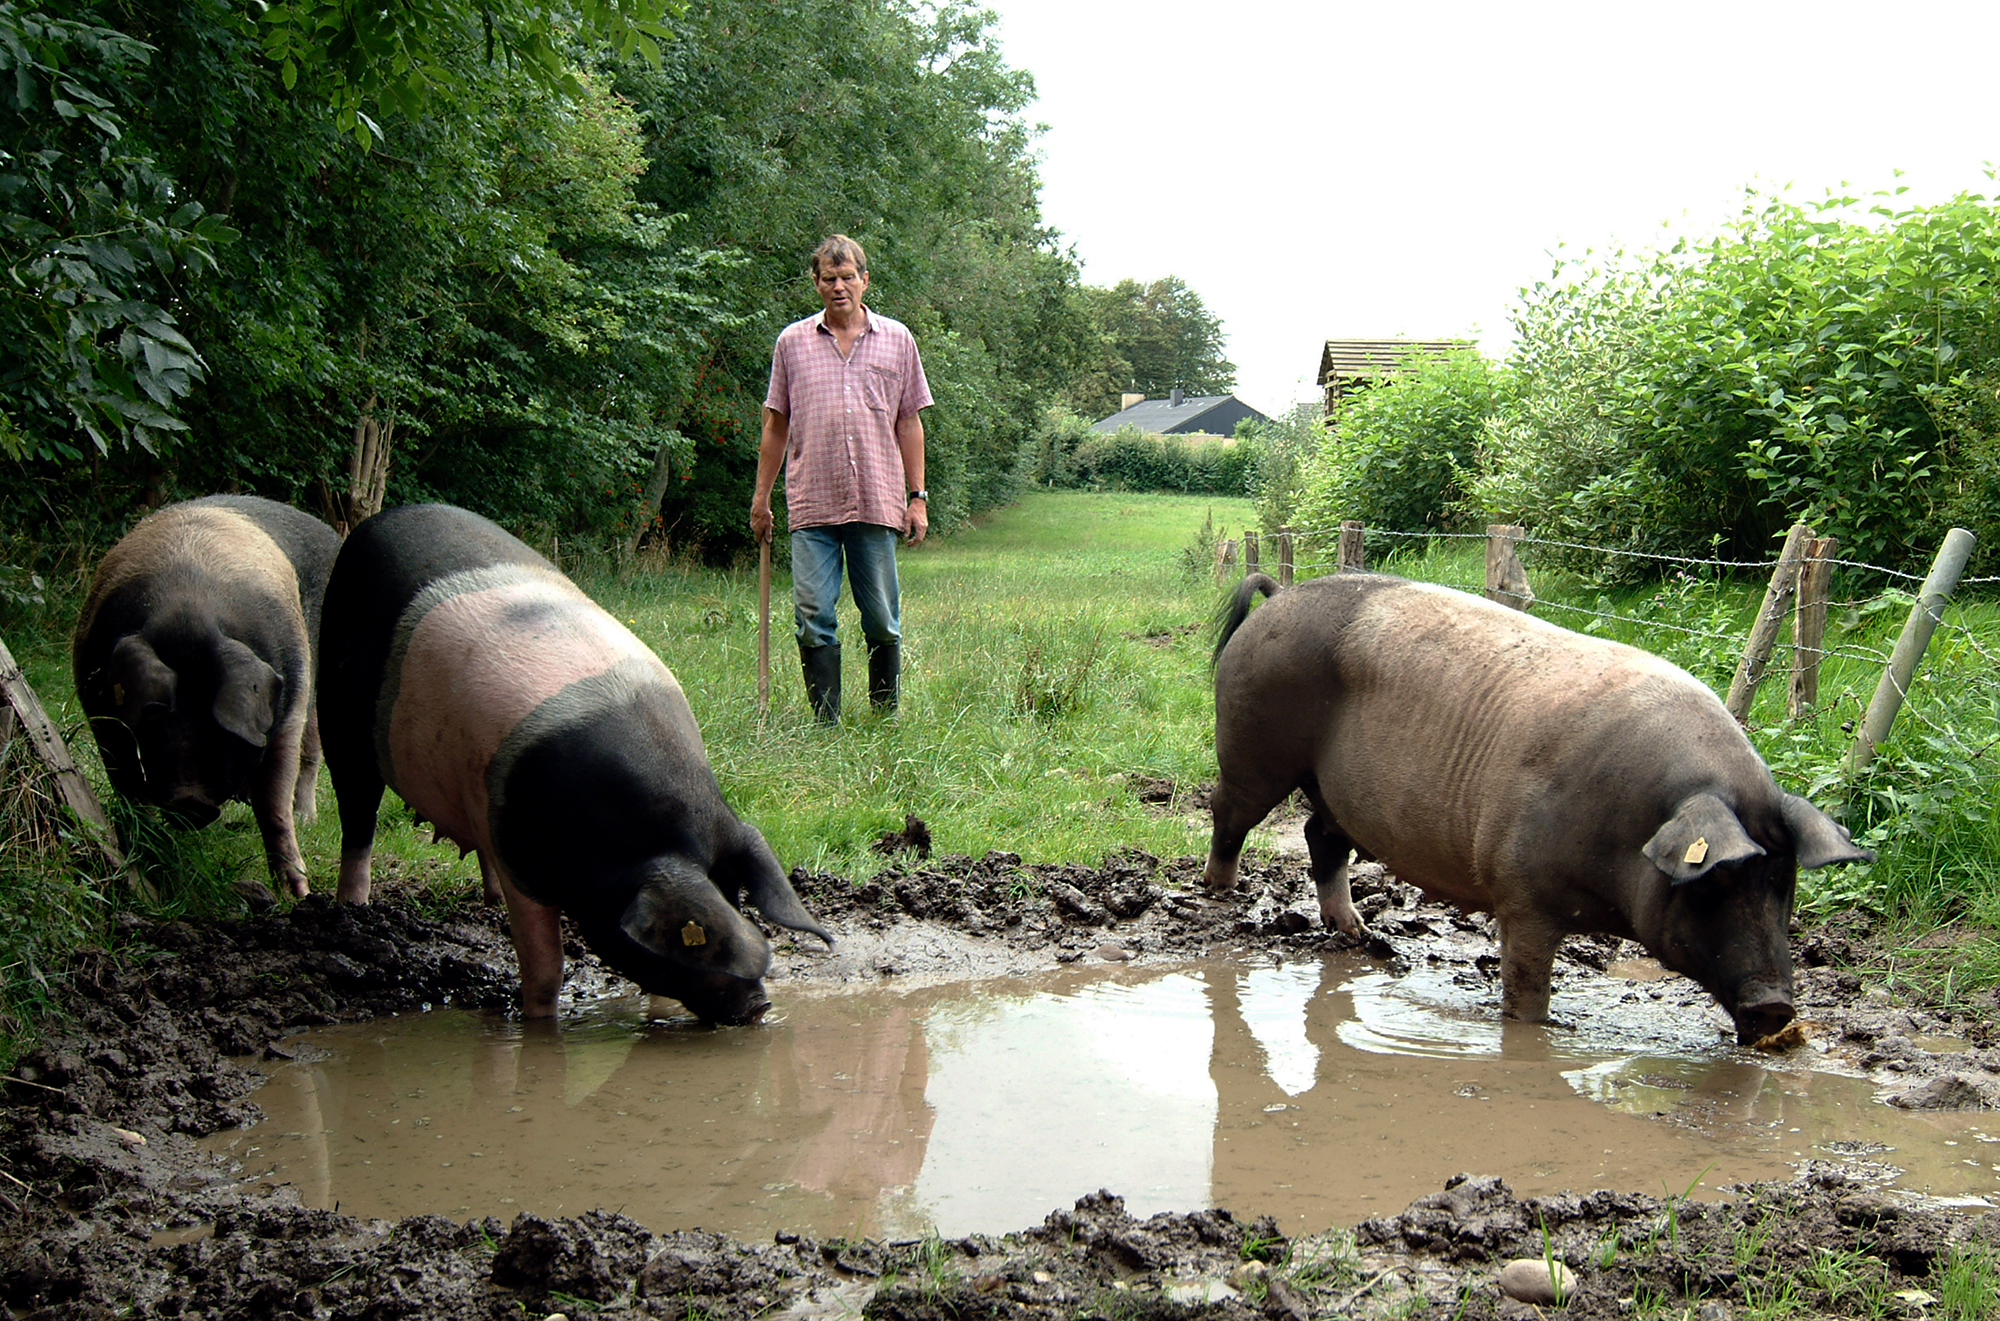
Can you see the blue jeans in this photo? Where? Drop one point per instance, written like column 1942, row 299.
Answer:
column 870, row 552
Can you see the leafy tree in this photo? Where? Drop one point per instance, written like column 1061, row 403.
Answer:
column 396, row 55
column 1147, row 339
column 93, row 241
column 770, row 127
column 1806, row 364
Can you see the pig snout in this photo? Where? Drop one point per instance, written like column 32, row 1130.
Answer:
column 1761, row 1011
column 728, row 1001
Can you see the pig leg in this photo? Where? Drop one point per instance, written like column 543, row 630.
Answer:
column 305, row 805
column 537, row 931
column 357, row 787
column 489, row 879
column 1331, row 851
column 1235, row 814
column 271, row 802
column 1527, row 958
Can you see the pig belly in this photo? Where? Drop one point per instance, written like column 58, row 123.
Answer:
column 475, row 665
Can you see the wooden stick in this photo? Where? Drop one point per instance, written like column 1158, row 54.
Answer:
column 1925, row 614
column 1764, row 633
column 47, row 742
column 763, row 628
column 1809, row 627
column 1506, row 580
column 1353, row 552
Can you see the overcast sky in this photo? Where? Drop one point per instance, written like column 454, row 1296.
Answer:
column 1334, row 170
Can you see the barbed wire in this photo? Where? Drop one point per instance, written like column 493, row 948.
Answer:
column 1766, row 566
column 1867, row 656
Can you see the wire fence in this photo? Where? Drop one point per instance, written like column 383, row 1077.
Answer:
column 1954, row 695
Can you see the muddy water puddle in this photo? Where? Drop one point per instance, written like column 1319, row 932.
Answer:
column 1320, row 1092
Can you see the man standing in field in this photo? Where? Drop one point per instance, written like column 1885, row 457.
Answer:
column 842, row 417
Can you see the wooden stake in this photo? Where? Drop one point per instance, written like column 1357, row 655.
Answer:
column 1225, row 562
column 1916, row 636
column 48, row 744
column 1284, row 557
column 1506, row 580
column 1353, row 551
column 1771, row 617
column 1249, row 552
column 1809, row 626
column 763, row 628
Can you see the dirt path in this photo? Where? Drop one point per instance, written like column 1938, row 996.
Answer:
column 110, row 1209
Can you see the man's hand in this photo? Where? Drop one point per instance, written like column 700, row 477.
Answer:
column 760, row 520
column 916, row 520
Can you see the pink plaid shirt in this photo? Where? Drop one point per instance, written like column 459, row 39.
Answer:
column 842, row 464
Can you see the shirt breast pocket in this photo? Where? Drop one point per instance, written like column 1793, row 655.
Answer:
column 881, row 389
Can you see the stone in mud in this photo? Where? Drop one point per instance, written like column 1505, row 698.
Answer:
column 1530, row 1280
column 1962, row 1090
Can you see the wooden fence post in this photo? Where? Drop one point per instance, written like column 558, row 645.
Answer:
column 1353, row 553
column 1506, row 580
column 1284, row 557
column 19, row 698
column 1809, row 626
column 1770, row 617
column 1225, row 561
column 1249, row 552
column 1917, row 630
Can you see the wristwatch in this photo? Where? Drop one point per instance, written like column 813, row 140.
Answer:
column 919, row 494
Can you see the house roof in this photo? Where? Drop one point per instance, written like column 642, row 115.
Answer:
column 1347, row 359
column 1163, row 416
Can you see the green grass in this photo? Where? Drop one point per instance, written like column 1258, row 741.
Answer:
column 1049, row 653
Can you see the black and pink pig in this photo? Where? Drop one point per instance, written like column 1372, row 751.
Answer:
column 467, row 673
column 194, row 664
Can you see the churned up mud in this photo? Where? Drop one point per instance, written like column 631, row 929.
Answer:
column 111, row 1207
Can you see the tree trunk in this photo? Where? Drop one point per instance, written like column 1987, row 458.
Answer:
column 367, row 467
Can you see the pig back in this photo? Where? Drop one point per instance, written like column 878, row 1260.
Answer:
column 474, row 655
column 189, row 588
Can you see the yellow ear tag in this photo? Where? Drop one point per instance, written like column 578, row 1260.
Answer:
column 692, row 934
column 117, row 694
column 1696, row 852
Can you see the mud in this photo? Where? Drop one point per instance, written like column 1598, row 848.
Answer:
column 112, row 1207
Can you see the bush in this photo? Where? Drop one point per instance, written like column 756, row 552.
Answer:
column 1398, row 455
column 1049, row 457
column 1285, row 446
column 1128, row 460
column 1805, row 365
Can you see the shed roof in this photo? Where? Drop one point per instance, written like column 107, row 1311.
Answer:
column 1348, row 359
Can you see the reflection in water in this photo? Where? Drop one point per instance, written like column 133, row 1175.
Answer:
column 1318, row 1092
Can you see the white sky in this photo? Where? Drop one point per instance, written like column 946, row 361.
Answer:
column 1347, row 169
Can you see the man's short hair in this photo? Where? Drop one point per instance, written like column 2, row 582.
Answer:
column 837, row 248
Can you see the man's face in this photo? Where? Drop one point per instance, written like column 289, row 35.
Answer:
column 840, row 286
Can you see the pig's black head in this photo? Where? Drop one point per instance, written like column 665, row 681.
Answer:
column 1727, row 910
column 682, row 936
column 181, row 716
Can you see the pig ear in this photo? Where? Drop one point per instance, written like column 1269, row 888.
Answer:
column 679, row 915
column 138, row 678
column 1817, row 838
column 246, row 701
column 762, row 878
column 1701, row 836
